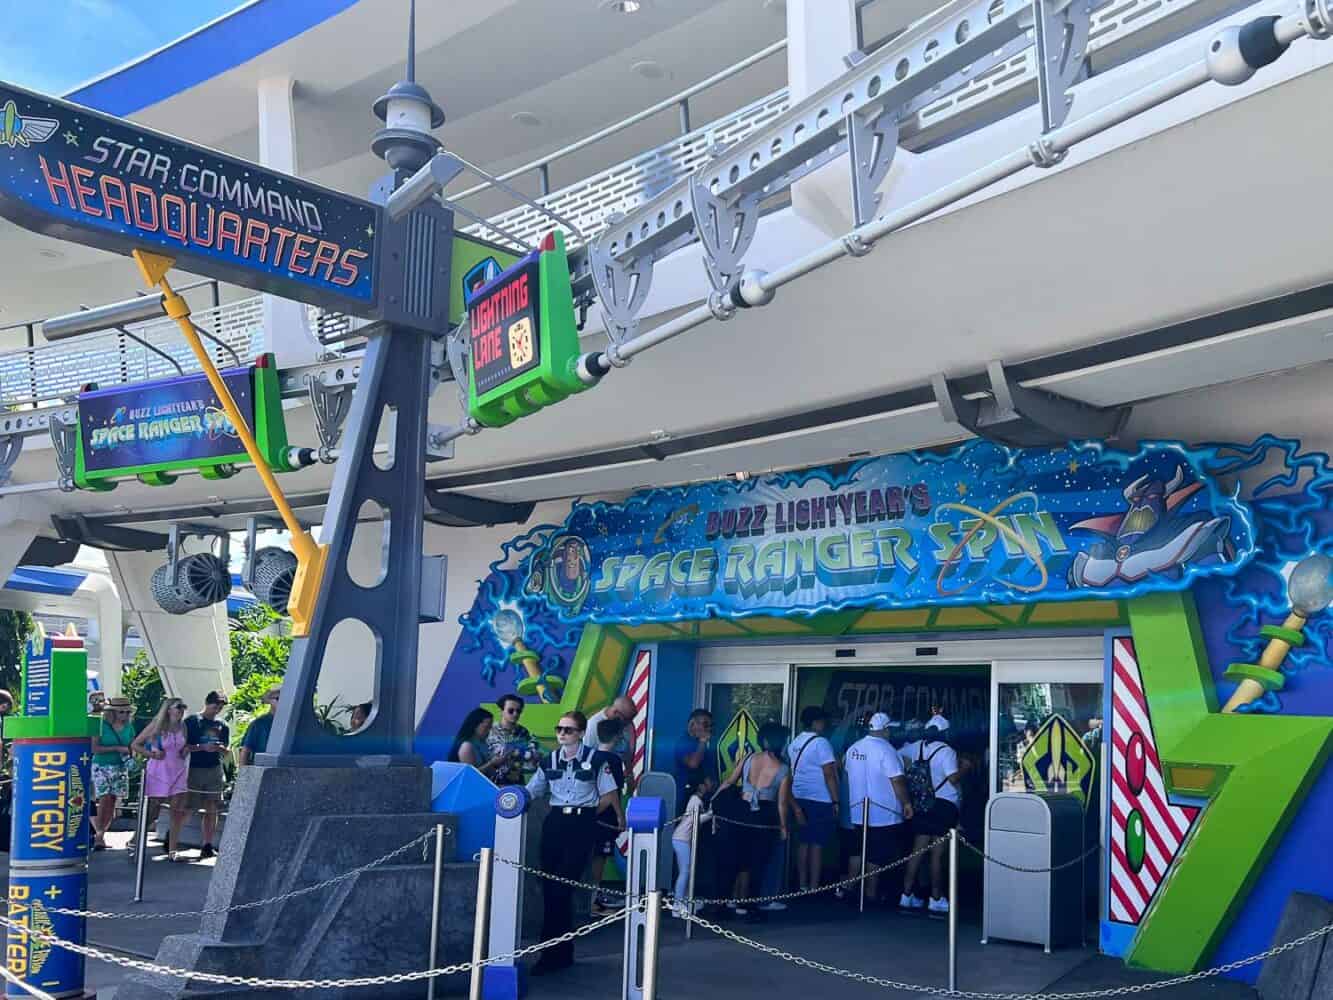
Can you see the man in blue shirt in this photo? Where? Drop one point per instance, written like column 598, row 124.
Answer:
column 694, row 751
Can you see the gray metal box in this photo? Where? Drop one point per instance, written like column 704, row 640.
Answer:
column 1033, row 831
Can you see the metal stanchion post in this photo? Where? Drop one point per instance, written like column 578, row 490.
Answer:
column 142, row 848
column 651, row 937
column 480, row 927
column 694, row 870
column 644, row 817
column 865, row 846
column 506, row 980
column 953, row 909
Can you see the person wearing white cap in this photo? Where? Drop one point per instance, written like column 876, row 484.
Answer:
column 933, row 780
column 875, row 779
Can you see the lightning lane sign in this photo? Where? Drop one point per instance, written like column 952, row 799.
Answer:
column 77, row 175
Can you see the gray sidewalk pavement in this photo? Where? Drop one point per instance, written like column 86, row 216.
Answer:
column 886, row 944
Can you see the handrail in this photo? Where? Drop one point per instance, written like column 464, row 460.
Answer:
column 631, row 121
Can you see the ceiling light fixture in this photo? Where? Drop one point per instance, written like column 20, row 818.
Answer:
column 649, row 69
column 624, row 6
column 526, row 118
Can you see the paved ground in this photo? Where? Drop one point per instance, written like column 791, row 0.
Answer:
column 887, row 945
column 884, row 944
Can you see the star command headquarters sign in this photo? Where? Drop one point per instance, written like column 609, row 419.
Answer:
column 77, row 175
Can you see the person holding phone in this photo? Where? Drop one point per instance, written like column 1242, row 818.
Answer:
column 208, row 738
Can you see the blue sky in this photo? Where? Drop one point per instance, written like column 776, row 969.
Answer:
column 55, row 45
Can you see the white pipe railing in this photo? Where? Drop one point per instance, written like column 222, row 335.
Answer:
column 679, row 101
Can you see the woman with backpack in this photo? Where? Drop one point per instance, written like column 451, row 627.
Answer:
column 933, row 780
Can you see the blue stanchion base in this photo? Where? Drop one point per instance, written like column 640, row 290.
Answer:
column 504, row 982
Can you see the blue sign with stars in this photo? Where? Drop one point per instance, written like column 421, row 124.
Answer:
column 981, row 524
column 78, row 175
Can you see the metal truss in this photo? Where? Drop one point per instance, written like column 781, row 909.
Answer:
column 858, row 113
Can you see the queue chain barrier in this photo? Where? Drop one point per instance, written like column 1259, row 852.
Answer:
column 257, row 982
column 573, row 883
column 1020, row 868
column 667, row 904
column 747, row 901
column 256, row 903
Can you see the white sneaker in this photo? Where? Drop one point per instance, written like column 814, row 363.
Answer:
column 939, row 905
column 912, row 902
column 777, row 906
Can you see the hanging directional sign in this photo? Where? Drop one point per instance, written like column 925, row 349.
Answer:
column 105, row 182
column 523, row 339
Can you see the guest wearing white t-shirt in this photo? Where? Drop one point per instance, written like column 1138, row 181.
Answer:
column 875, row 781
column 814, row 785
column 934, row 753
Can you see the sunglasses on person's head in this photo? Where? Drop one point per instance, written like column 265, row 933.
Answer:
column 567, row 729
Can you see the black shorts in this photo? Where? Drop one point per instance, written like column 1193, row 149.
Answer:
column 850, row 841
column 886, row 844
column 937, row 821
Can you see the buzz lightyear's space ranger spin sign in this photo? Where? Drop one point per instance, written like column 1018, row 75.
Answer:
column 982, row 524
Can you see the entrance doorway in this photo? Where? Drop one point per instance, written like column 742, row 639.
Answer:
column 910, row 694
column 998, row 694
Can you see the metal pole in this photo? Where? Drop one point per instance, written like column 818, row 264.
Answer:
column 684, row 108
column 953, row 909
column 651, row 934
column 143, row 844
column 544, row 174
column 694, row 869
column 479, row 927
column 865, row 843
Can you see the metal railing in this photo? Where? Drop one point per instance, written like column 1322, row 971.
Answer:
column 680, row 101
column 638, row 180
column 33, row 375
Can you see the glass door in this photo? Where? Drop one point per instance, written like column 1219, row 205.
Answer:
column 1046, row 727
column 742, row 698
column 1047, row 736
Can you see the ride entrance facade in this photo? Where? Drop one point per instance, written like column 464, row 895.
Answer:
column 1081, row 615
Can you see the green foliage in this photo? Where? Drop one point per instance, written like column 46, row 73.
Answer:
column 255, row 649
column 142, row 685
column 15, row 627
column 331, row 716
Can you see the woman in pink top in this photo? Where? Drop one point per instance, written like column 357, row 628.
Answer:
column 167, row 776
